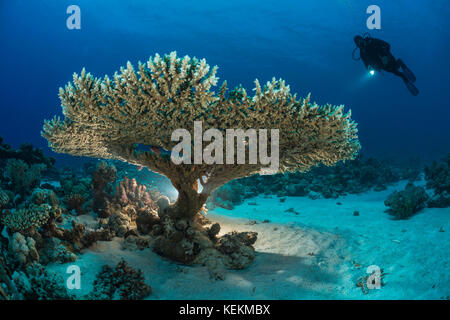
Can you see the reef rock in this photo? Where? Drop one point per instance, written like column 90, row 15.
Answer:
column 404, row 204
column 123, row 282
column 23, row 249
column 437, row 175
column 119, row 224
column 36, row 283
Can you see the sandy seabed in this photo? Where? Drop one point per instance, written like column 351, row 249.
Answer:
column 309, row 249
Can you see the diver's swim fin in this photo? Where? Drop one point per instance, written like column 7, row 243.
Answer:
column 411, row 87
column 408, row 73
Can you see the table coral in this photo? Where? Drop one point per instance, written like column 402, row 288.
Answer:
column 113, row 118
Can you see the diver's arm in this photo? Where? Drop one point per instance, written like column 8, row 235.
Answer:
column 366, row 64
column 370, row 61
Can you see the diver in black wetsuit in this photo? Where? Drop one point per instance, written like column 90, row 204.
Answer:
column 376, row 55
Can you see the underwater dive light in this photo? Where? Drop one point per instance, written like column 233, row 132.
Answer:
column 372, row 72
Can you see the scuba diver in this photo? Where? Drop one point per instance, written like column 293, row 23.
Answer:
column 376, row 55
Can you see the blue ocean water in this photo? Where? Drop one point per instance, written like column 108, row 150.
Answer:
column 307, row 43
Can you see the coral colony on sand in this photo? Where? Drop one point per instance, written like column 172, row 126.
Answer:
column 110, row 118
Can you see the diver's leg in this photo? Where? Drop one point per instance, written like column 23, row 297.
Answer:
column 409, row 84
column 393, row 66
column 411, row 87
column 400, row 74
column 408, row 73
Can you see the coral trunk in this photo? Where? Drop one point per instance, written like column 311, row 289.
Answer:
column 189, row 201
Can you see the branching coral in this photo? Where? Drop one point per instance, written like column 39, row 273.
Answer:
column 24, row 219
column 111, row 118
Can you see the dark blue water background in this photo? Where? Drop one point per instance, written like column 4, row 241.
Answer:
column 307, row 43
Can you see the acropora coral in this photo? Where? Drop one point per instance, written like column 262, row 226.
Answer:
column 110, row 118
column 27, row 218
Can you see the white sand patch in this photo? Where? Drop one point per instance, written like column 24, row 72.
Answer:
column 317, row 254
